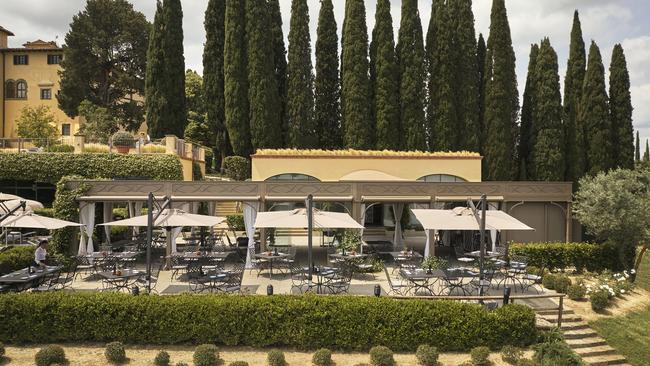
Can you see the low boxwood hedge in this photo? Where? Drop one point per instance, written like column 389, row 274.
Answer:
column 581, row 256
column 16, row 258
column 304, row 322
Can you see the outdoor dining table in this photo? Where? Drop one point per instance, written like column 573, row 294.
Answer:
column 405, row 255
column 120, row 256
column 271, row 257
column 348, row 257
column 20, row 279
column 488, row 254
column 121, row 279
column 425, row 280
column 196, row 255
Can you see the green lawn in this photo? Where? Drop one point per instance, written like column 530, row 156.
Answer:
column 629, row 334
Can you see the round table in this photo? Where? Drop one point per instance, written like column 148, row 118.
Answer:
column 271, row 257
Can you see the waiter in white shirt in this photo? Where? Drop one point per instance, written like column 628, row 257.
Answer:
column 40, row 254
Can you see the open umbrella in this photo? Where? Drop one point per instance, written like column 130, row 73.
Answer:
column 30, row 220
column 9, row 197
column 462, row 218
column 6, row 206
column 297, row 219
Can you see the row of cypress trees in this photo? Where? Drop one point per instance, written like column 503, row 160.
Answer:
column 448, row 91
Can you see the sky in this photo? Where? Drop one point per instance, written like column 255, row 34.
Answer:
column 607, row 22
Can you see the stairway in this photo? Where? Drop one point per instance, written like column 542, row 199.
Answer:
column 593, row 349
column 224, row 209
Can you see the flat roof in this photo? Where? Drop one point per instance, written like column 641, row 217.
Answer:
column 351, row 153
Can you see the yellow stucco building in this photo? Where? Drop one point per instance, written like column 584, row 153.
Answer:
column 30, row 78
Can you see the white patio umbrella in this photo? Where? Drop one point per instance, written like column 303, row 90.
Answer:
column 30, row 205
column 30, row 220
column 9, row 197
column 297, row 219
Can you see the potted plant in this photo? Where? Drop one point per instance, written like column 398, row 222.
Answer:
column 432, row 262
column 351, row 241
column 122, row 141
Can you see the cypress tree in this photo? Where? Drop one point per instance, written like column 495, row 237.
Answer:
column 480, row 57
column 327, row 86
column 263, row 99
column 385, row 80
column 236, row 79
column 441, row 110
column 646, row 154
column 637, row 153
column 154, row 81
column 527, row 135
column 355, row 92
column 213, row 78
column 501, row 97
column 548, row 152
column 280, row 64
column 466, row 75
column 572, row 95
column 410, row 58
column 175, row 117
column 302, row 132
column 594, row 117
column 620, row 104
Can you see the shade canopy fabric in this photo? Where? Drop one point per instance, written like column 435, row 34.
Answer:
column 462, row 218
column 30, row 220
column 170, row 218
column 9, row 205
column 9, row 197
column 297, row 219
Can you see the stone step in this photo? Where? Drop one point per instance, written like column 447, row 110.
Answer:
column 554, row 312
column 605, row 360
column 565, row 319
column 574, row 326
column 596, row 351
column 577, row 344
column 580, row 334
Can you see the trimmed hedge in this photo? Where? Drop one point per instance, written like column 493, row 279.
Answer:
column 237, row 168
column 16, row 258
column 304, row 322
column 51, row 167
column 581, row 256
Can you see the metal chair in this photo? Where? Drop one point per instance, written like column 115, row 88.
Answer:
column 178, row 265
column 233, row 283
column 339, row 282
column 196, row 277
column 395, row 288
column 84, row 266
column 299, row 278
column 65, row 281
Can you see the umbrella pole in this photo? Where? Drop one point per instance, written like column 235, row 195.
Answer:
column 149, row 235
column 310, row 227
column 482, row 247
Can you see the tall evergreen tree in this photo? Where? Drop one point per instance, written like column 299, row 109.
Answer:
column 263, row 98
column 280, row 64
column 236, row 79
column 213, row 78
column 442, row 120
column 327, row 86
column 620, row 104
column 302, row 131
column 410, row 58
column 594, row 118
column 548, row 151
column 480, row 57
column 154, row 81
column 646, row 154
column 175, row 118
column 384, row 76
column 637, row 153
column 572, row 95
column 466, row 75
column 527, row 134
column 501, row 97
column 355, row 91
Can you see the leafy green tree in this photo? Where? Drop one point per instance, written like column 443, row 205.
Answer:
column 154, row 82
column 637, row 152
column 104, row 61
column 280, row 64
column 548, row 151
column 327, row 85
column 213, row 79
column 355, row 91
column 198, row 130
column 527, row 134
column 99, row 124
column 615, row 207
column 263, row 98
column 620, row 104
column 594, row 118
column 501, row 98
column 480, row 57
column 646, row 154
column 573, row 80
column 302, row 131
column 236, row 79
column 194, row 92
column 384, row 76
column 36, row 123
column 466, row 75
column 412, row 75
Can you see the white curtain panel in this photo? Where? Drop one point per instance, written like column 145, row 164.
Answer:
column 108, row 217
column 250, row 214
column 431, row 241
column 362, row 222
column 493, row 206
column 398, row 210
column 173, row 236
column 87, row 219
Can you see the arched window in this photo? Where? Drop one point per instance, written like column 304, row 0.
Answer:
column 21, row 89
column 441, row 178
column 293, row 177
column 10, row 89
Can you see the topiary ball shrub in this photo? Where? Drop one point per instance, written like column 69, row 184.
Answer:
column 275, row 357
column 162, row 359
column 239, row 363
column 555, row 353
column 115, row 352
column 562, row 283
column 206, row 355
column 381, row 356
column 427, row 355
column 576, row 292
column 322, row 357
column 548, row 281
column 599, row 300
column 49, row 355
column 237, row 168
column 511, row 355
column 480, row 356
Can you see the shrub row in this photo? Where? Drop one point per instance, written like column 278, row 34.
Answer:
column 305, row 322
column 16, row 258
column 51, row 167
column 581, row 256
